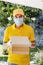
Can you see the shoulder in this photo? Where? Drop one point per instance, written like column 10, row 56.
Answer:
column 29, row 27
column 8, row 28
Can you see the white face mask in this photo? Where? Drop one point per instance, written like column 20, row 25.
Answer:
column 18, row 21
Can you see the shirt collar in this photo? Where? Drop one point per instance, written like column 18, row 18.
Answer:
column 17, row 28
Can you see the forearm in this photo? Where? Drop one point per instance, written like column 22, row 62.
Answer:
column 6, row 44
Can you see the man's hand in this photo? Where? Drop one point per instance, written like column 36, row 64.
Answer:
column 33, row 45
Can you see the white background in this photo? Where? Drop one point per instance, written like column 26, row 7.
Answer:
column 31, row 3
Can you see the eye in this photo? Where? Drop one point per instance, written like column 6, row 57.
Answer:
column 14, row 17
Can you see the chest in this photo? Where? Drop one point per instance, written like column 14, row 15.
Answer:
column 20, row 32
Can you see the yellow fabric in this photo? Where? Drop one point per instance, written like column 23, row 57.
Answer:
column 18, row 11
column 25, row 30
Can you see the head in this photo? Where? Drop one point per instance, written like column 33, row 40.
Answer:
column 18, row 16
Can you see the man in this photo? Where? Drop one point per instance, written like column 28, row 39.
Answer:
column 19, row 29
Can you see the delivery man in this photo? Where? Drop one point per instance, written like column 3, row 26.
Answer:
column 19, row 28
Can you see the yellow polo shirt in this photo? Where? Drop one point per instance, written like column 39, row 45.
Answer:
column 25, row 30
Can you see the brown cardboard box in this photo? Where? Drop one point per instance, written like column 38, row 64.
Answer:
column 19, row 49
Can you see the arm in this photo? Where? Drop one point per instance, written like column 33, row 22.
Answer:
column 6, row 44
column 5, row 47
column 6, row 38
column 32, row 38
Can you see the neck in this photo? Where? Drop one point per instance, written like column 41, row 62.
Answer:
column 18, row 26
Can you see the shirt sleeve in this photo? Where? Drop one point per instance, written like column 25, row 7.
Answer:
column 6, row 35
column 32, row 35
